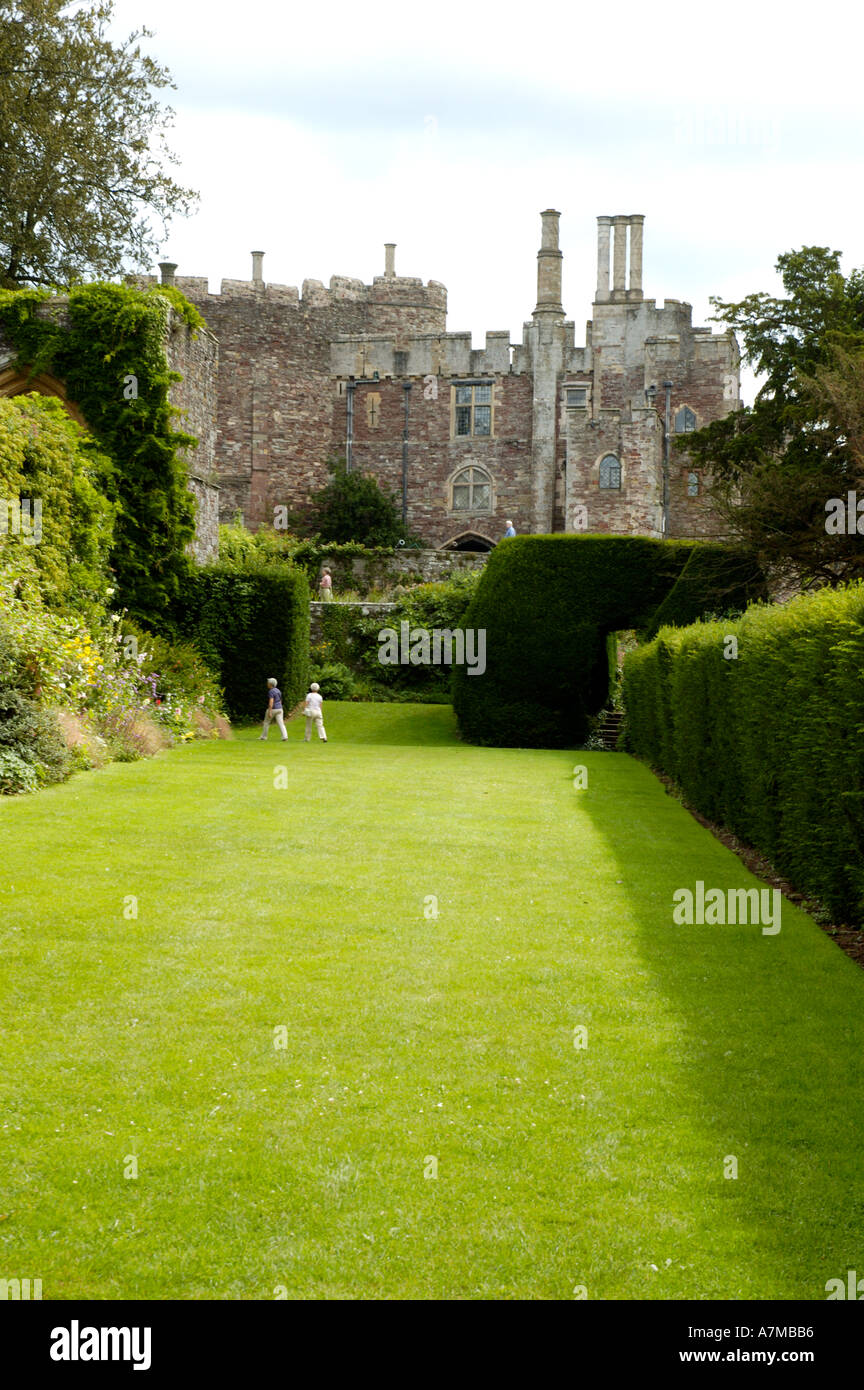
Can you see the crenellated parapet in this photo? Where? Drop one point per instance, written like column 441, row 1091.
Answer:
column 392, row 303
column 426, row 354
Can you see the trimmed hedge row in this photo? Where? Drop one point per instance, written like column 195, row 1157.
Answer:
column 768, row 743
column 250, row 623
column 547, row 604
column 715, row 579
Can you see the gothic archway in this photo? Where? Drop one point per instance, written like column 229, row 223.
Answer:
column 15, row 382
column 470, row 540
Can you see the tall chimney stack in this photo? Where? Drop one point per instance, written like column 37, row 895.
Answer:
column 619, row 255
column 167, row 269
column 389, row 258
column 637, row 220
column 257, row 267
column 603, row 226
column 549, row 260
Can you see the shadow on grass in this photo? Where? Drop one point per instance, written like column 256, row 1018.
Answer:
column 774, row 1037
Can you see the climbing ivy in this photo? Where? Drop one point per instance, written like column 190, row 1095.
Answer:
column 106, row 343
column 56, row 550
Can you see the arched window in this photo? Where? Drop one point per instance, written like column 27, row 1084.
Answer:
column 685, row 421
column 471, row 490
column 610, row 472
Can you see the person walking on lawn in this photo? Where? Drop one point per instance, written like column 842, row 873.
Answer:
column 274, row 710
column 312, row 710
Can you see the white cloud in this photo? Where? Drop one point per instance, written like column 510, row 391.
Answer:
column 318, row 133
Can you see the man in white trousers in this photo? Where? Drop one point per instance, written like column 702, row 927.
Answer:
column 312, row 710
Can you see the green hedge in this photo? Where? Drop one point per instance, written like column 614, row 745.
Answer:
column 547, row 604
column 769, row 743
column 716, row 580
column 250, row 623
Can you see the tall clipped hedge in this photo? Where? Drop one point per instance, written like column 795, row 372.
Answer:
column 715, row 579
column 769, row 743
column 250, row 623
column 547, row 604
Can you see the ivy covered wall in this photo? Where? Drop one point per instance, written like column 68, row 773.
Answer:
column 112, row 350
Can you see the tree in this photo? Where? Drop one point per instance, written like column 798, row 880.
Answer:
column 353, row 508
column 774, row 466
column 82, row 146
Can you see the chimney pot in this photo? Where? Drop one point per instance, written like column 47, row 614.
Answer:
column 167, row 269
column 389, row 258
column 257, row 267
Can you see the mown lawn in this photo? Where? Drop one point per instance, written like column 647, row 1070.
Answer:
column 411, row 1042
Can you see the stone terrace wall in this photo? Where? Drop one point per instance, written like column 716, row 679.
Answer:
column 364, row 572
column 357, row 610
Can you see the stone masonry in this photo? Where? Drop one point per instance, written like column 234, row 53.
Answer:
column 550, row 434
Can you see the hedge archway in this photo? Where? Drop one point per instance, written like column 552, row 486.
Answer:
column 548, row 603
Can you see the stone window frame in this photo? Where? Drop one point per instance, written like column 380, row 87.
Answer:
column 582, row 386
column 609, row 454
column 694, row 483
column 681, row 412
column 465, row 383
column 470, row 510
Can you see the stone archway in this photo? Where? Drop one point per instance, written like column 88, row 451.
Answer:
column 470, row 541
column 15, row 382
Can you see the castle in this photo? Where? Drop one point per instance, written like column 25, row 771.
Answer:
column 555, row 436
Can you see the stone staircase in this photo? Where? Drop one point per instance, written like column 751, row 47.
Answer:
column 610, row 727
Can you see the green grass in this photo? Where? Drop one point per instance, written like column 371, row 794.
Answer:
column 409, row 1038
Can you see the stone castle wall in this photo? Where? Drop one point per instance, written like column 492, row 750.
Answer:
column 275, row 402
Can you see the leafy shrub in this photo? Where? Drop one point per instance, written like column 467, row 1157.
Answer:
column 183, row 695
column 335, row 680
column 16, row 773
column 715, row 577
column 769, row 743
column 249, row 622
column 352, row 507
column 32, row 734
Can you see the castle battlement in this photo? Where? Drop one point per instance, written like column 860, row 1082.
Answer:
column 399, row 298
column 420, row 354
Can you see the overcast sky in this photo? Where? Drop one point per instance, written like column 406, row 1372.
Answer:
column 318, row 133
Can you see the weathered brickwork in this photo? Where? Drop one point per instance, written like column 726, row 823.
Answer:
column 274, row 409
column 560, row 436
